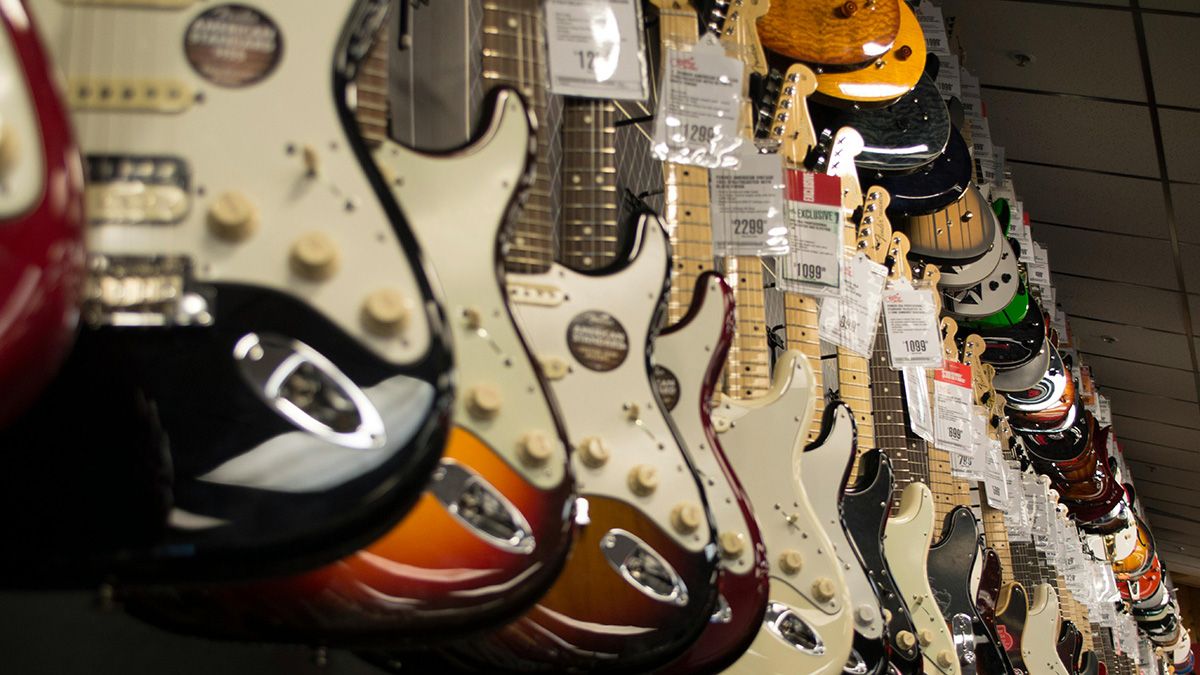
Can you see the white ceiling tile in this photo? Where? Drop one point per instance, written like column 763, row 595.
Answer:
column 1120, row 303
column 1093, row 200
column 1152, row 407
column 1074, row 132
column 1155, row 432
column 1106, row 256
column 1133, row 343
column 1156, row 380
column 991, row 32
column 1181, row 143
column 1171, row 42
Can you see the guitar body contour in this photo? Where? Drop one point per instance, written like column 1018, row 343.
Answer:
column 962, row 231
column 297, row 433
column 807, row 626
column 891, row 76
column 1039, row 644
column 41, row 220
column 990, row 651
column 906, row 544
column 1011, row 614
column 449, row 566
column 831, row 32
column 951, row 561
column 602, row 607
column 743, row 585
column 930, row 188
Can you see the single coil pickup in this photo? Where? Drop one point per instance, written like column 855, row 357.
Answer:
column 142, row 291
column 129, row 95
column 137, row 189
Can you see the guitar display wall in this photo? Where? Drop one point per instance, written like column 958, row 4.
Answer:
column 552, row 336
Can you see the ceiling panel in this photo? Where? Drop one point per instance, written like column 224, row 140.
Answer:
column 1178, row 478
column 1190, row 512
column 1154, row 432
column 1171, row 382
column 1089, row 199
column 1171, row 42
column 1167, row 520
column 1120, row 303
column 1176, row 5
column 1107, row 256
column 1186, row 199
column 1181, row 143
column 1070, row 131
column 1151, row 407
column 1131, row 342
column 1158, row 454
column 1190, row 255
column 1053, row 35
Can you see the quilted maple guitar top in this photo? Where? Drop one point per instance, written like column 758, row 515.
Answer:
column 831, row 32
column 892, row 75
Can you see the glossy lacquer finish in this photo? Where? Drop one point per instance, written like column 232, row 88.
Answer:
column 992, row 657
column 1010, row 623
column 711, row 319
column 41, row 247
column 867, row 504
column 933, row 187
column 824, row 32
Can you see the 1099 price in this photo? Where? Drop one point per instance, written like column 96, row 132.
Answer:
column 916, row 346
column 810, row 271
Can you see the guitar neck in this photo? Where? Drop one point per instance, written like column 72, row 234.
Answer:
column 948, row 490
column 854, row 381
column 801, row 313
column 371, row 91
column 748, row 369
column 907, row 451
column 590, row 234
column 995, row 532
column 513, row 49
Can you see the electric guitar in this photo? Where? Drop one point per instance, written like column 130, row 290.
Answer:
column 41, row 232
column 829, row 32
column 276, row 313
column 932, row 187
column 1039, row 647
column 960, row 232
column 889, row 77
column 1012, row 613
column 493, row 527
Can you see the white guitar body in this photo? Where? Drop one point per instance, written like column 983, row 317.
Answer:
column 591, row 333
column 906, row 545
column 1038, row 647
column 256, row 192
column 808, row 627
column 685, row 352
column 826, row 463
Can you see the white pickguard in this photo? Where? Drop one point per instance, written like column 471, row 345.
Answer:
column 250, row 140
column 1038, row 647
column 685, row 352
column 990, row 295
column 964, row 276
column 619, row 405
column 906, row 545
column 824, row 465
column 764, row 441
column 459, row 237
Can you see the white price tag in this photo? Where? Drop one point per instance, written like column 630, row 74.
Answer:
column 1038, row 266
column 952, row 407
column 851, row 319
column 970, row 466
column 698, row 106
column 929, row 16
column 595, row 48
column 747, row 205
column 1017, row 516
column 1105, row 410
column 912, row 326
column 813, row 209
column 995, row 477
column 949, row 79
column 916, row 396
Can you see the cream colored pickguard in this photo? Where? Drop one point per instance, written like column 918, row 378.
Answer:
column 1038, row 647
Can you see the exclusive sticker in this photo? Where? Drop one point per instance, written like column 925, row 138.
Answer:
column 233, row 45
column 598, row 341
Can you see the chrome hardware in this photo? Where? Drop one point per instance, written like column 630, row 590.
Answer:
column 855, row 665
column 480, row 506
column 786, row 624
column 306, row 389
column 964, row 642
column 643, row 567
column 723, row 612
column 143, row 291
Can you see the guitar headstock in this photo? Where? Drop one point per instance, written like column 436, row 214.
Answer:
column 840, row 149
column 949, row 328
column 874, row 230
column 972, row 355
column 898, row 255
column 933, row 275
column 791, row 126
column 735, row 24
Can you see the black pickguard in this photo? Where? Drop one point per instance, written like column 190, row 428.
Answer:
column 141, row 415
column 1012, row 622
column 1014, row 345
column 990, row 653
column 931, row 188
column 865, row 511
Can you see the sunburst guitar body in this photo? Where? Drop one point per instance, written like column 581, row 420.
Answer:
column 831, row 32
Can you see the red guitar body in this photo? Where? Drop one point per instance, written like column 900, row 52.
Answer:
column 41, row 220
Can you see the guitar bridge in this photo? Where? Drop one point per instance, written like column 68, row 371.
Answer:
column 143, row 292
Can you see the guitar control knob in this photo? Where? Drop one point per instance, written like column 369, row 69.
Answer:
column 593, row 451
column 790, row 561
column 865, row 615
column 887, row 617
column 232, row 216
column 535, row 448
column 643, row 480
column 945, row 659
column 314, row 256
column 686, row 517
column 906, row 640
column 484, row 401
column 384, row 312
column 926, row 636
column 823, row 589
column 732, row 544
column 848, row 9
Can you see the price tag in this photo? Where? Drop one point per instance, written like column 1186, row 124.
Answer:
column 949, row 81
column 1017, row 516
column 995, row 477
column 698, row 106
column 952, row 407
column 1038, row 266
column 912, row 326
column 595, row 48
column 1105, row 410
column 970, row 466
column 916, row 396
column 929, row 16
column 813, row 209
column 851, row 319
column 747, row 205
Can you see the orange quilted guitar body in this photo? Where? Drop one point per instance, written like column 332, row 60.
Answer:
column 831, row 32
column 891, row 76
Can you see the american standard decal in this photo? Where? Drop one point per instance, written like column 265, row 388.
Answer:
column 668, row 387
column 598, row 341
column 233, row 45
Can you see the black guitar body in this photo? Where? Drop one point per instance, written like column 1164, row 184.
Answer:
column 1010, row 347
column 866, row 507
column 1070, row 645
column 930, row 188
column 1010, row 624
column 990, row 653
column 1089, row 664
column 264, row 442
column 897, row 139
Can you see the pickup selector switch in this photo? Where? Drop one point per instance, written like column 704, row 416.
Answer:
column 232, row 216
